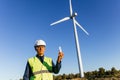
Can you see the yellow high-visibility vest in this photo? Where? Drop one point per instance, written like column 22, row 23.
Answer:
column 41, row 71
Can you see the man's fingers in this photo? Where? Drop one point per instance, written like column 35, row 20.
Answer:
column 61, row 55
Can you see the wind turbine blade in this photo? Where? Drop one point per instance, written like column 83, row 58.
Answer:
column 64, row 19
column 81, row 27
column 71, row 11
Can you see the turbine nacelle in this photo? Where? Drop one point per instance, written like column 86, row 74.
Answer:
column 73, row 15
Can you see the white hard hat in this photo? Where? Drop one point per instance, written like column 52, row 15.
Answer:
column 40, row 42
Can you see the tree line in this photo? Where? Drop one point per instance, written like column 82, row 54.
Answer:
column 100, row 74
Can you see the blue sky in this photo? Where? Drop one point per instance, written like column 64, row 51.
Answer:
column 22, row 22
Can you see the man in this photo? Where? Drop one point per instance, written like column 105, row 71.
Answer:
column 41, row 67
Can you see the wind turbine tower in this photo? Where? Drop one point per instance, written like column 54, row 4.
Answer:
column 72, row 16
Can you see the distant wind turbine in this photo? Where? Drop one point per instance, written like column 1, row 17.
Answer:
column 72, row 16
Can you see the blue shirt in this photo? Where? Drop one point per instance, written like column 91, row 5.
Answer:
column 28, row 72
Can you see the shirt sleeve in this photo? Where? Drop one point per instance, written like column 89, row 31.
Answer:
column 27, row 72
column 56, row 68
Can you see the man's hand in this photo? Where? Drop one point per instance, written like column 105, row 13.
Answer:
column 60, row 56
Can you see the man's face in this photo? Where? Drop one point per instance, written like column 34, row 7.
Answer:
column 40, row 50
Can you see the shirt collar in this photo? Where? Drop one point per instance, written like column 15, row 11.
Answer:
column 41, row 58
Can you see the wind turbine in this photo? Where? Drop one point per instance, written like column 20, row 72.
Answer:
column 72, row 16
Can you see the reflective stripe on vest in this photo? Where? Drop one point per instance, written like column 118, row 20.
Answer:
column 41, row 71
